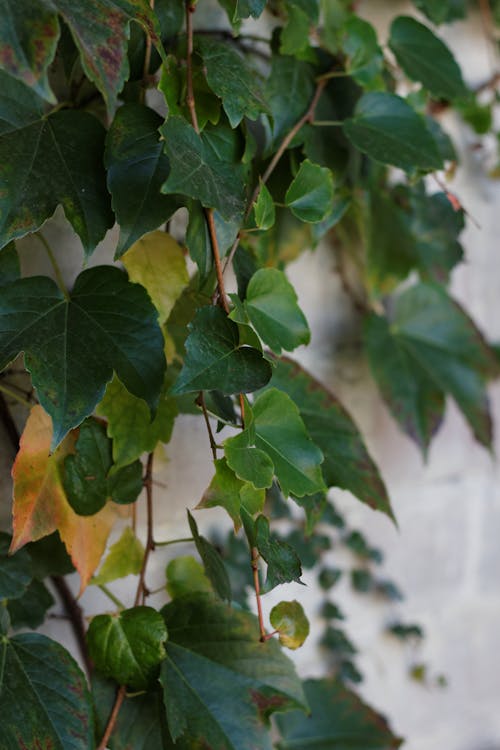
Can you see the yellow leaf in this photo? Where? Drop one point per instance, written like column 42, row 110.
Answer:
column 40, row 504
column 157, row 262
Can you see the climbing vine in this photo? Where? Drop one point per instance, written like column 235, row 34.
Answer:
column 215, row 144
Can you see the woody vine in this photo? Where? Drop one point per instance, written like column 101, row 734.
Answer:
column 237, row 151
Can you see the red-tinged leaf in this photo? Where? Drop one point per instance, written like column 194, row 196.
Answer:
column 40, row 504
column 29, row 32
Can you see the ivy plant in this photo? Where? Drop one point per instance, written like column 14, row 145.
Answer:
column 237, row 151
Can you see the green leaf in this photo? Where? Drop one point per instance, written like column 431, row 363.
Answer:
column 157, row 263
column 310, row 196
column 365, row 61
column 438, row 349
column 347, row 463
column 289, row 619
column 85, row 471
column 289, row 91
column 337, row 714
column 271, row 305
column 130, row 425
column 283, row 564
column 386, row 128
column 16, row 571
column 249, row 463
column 216, row 361
column 197, row 172
column 264, row 211
column 42, row 684
column 232, row 79
column 100, row 30
column 30, row 609
column 137, row 168
column 52, row 161
column 280, row 432
column 185, row 575
column 230, row 491
column 415, row 401
column 212, row 562
column 125, row 484
column 28, row 41
column 9, row 264
column 129, row 646
column 237, row 10
column 391, row 246
column 294, row 38
column 425, row 58
column 50, row 557
column 439, row 12
column 19, row 105
column 110, row 319
column 140, row 724
column 123, row 559
column 220, row 683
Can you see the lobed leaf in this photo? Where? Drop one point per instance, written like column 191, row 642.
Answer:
column 386, row 128
column 106, row 316
column 54, row 161
column 216, row 361
column 128, row 647
column 137, row 168
column 220, row 683
column 40, row 506
column 41, row 682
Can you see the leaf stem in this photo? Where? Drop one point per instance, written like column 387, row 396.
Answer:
column 308, row 116
column 327, row 123
column 256, row 584
column 111, row 596
column 190, row 9
column 150, row 545
column 147, row 59
column 54, row 263
column 174, row 541
column 12, row 394
column 213, row 445
column 112, row 718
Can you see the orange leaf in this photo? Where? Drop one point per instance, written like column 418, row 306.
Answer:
column 40, row 504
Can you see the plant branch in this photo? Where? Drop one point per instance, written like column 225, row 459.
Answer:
column 150, row 545
column 307, row 117
column 75, row 616
column 191, row 105
column 147, row 58
column 54, row 263
column 190, row 9
column 213, row 445
column 112, row 718
column 256, row 584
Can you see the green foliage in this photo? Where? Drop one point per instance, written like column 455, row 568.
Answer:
column 250, row 151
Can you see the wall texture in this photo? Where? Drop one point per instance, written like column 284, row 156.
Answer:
column 446, row 554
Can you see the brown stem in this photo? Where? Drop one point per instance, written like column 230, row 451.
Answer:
column 190, row 9
column 75, row 617
column 308, row 116
column 150, row 545
column 112, row 718
column 147, row 60
column 242, row 411
column 256, row 583
column 209, row 214
column 213, row 445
